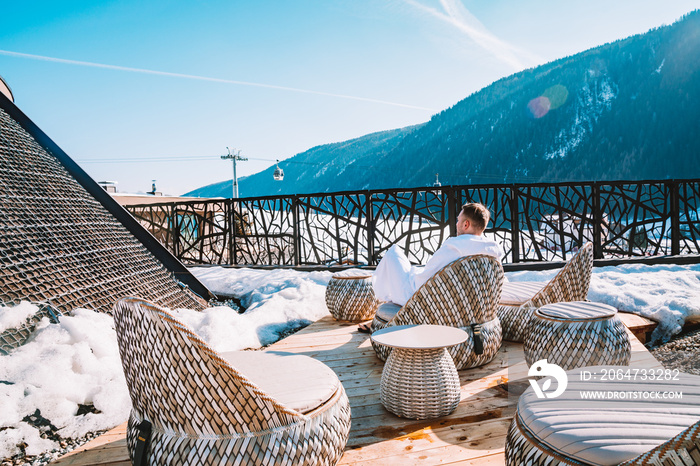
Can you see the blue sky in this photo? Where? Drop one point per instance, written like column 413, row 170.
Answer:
column 142, row 90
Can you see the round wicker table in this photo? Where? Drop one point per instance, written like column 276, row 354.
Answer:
column 419, row 380
column 351, row 298
column 577, row 334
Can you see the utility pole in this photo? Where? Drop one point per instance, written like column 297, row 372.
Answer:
column 234, row 156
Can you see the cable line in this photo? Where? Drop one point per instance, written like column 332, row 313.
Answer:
column 459, row 178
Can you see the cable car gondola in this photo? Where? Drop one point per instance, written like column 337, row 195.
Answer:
column 278, row 175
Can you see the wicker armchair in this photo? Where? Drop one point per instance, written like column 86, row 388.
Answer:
column 520, row 299
column 203, row 410
column 463, row 294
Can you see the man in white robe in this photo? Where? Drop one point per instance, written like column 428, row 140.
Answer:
column 395, row 279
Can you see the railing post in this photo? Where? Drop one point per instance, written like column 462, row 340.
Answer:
column 176, row 233
column 597, row 223
column 231, row 219
column 201, row 229
column 295, row 230
column 515, row 223
column 369, row 215
column 452, row 206
column 674, row 187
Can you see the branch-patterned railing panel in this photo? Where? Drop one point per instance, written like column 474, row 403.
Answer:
column 158, row 220
column 637, row 218
column 555, row 220
column 416, row 220
column 265, row 233
column 499, row 200
column 333, row 229
column 537, row 222
column 202, row 232
column 689, row 217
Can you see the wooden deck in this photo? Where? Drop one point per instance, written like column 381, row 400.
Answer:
column 473, row 435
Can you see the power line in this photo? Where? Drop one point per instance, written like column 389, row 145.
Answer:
column 161, row 159
column 196, row 159
column 458, row 177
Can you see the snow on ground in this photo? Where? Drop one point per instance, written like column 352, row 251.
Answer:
column 13, row 317
column 64, row 365
column 275, row 301
column 76, row 362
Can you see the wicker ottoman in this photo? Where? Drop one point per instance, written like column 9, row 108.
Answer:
column 577, row 334
column 628, row 429
column 351, row 298
column 419, row 380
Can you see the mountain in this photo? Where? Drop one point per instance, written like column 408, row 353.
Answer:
column 624, row 110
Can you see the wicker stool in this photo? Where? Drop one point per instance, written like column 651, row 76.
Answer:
column 351, row 298
column 419, row 380
column 577, row 334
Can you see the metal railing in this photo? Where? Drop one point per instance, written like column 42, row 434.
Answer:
column 533, row 222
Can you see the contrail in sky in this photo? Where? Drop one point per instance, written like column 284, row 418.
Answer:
column 204, row 78
column 459, row 17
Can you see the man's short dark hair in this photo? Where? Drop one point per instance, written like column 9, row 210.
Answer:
column 477, row 214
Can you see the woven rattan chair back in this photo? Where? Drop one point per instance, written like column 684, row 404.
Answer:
column 571, row 283
column 463, row 294
column 202, row 410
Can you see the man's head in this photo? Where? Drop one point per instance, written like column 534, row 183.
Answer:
column 472, row 219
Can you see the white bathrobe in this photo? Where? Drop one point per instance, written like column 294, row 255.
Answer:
column 396, row 279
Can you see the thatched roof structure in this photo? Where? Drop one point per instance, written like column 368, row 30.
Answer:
column 65, row 241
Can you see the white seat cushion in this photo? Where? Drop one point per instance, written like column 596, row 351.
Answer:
column 517, row 293
column 577, row 310
column 387, row 311
column 297, row 382
column 610, row 431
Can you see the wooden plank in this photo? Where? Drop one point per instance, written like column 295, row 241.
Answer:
column 105, row 449
column 487, row 460
column 371, row 430
column 640, row 326
column 435, row 446
column 641, row 357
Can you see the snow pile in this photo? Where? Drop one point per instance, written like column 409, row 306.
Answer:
column 276, row 301
column 15, row 316
column 668, row 294
column 75, row 362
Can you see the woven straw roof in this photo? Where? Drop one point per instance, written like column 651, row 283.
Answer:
column 62, row 245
